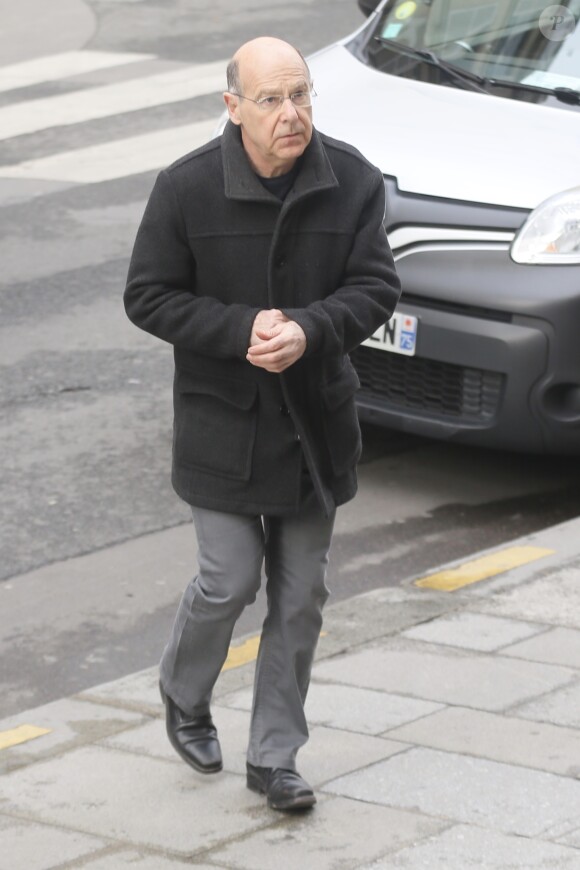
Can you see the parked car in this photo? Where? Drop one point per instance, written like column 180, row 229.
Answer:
column 471, row 108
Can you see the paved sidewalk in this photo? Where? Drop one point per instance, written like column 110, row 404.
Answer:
column 445, row 735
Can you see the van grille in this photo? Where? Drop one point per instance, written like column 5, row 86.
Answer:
column 435, row 388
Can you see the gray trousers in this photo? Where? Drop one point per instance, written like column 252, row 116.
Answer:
column 232, row 548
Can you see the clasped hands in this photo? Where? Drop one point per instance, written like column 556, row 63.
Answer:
column 275, row 341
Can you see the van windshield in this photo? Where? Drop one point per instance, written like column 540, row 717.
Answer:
column 524, row 49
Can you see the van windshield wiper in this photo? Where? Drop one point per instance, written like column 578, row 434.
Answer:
column 475, row 82
column 565, row 95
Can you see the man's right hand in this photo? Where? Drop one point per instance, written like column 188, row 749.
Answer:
column 276, row 341
column 266, row 325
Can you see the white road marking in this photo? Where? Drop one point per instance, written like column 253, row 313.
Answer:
column 102, row 102
column 61, row 66
column 115, row 159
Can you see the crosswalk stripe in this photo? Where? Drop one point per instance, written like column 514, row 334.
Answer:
column 115, row 159
column 59, row 66
column 102, row 102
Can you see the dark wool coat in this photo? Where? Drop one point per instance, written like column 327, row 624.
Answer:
column 213, row 249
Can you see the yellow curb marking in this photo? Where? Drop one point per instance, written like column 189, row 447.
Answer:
column 481, row 569
column 21, row 734
column 246, row 652
column 242, row 654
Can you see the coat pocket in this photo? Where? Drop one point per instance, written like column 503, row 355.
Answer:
column 340, row 418
column 215, row 425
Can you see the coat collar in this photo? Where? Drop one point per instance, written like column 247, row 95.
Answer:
column 241, row 182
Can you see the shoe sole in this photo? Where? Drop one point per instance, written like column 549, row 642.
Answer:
column 299, row 803
column 182, row 755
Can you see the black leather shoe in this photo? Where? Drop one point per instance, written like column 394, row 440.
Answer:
column 284, row 789
column 194, row 738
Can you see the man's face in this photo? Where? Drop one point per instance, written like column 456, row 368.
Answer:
column 273, row 139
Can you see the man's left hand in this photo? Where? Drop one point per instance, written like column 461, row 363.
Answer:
column 279, row 347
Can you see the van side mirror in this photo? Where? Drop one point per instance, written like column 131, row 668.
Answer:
column 367, row 7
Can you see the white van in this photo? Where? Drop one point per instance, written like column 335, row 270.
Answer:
column 471, row 108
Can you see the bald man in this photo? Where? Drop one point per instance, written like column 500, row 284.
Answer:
column 263, row 260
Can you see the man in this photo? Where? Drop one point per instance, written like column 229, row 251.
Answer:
column 263, row 259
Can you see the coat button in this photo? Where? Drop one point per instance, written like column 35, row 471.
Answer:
column 281, row 262
column 297, row 437
column 284, row 410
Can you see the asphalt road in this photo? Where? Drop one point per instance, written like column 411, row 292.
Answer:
column 85, row 416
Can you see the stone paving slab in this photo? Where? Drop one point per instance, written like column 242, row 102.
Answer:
column 138, row 691
column 328, row 754
column 536, row 602
column 463, row 847
column 498, row 738
column 450, row 676
column 348, row 708
column 31, row 846
column 475, row 631
column 71, row 723
column 512, row 800
column 379, row 613
column 571, row 839
column 140, row 801
column 330, row 750
column 151, row 738
column 558, row 646
column 339, row 834
column 138, row 861
column 561, row 707
column 362, row 710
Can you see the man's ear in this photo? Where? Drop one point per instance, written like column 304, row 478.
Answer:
column 233, row 106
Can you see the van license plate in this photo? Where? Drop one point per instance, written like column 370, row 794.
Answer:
column 397, row 335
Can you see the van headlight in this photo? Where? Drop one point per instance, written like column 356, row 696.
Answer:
column 551, row 234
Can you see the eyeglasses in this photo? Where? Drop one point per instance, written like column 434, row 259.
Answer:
column 299, row 99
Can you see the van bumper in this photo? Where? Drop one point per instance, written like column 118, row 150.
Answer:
column 497, row 360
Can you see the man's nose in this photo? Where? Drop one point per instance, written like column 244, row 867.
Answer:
column 288, row 109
